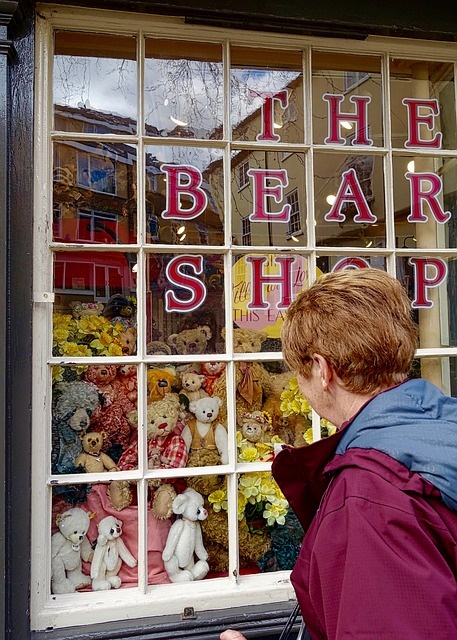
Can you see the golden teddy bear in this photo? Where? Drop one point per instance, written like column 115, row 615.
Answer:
column 252, row 380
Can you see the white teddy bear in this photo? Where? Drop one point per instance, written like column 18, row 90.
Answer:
column 185, row 540
column 68, row 546
column 204, row 431
column 109, row 553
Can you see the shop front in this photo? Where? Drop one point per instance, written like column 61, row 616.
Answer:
column 172, row 181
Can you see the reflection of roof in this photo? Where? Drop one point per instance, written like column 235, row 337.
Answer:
column 104, row 121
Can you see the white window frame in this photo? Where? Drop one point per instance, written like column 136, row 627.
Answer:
column 234, row 590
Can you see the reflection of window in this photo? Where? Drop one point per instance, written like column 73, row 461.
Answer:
column 96, row 173
column 246, row 239
column 294, row 225
column 57, row 221
column 97, row 226
column 243, row 178
column 352, row 79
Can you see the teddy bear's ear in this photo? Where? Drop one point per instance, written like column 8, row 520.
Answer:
column 179, row 504
column 103, row 434
column 206, row 331
column 172, row 339
column 61, row 517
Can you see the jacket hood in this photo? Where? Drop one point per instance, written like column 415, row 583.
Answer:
column 416, row 424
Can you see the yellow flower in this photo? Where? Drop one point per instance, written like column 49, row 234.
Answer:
column 248, row 454
column 242, row 502
column 275, row 512
column 57, row 374
column 71, row 349
column 249, row 486
column 218, row 499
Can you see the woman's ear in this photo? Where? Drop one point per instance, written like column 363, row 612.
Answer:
column 325, row 370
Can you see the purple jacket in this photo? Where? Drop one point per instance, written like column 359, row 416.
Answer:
column 379, row 559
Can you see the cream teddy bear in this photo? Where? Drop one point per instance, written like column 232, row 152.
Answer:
column 68, row 546
column 204, row 431
column 184, row 541
column 109, row 553
column 93, row 459
column 190, row 341
column 191, row 383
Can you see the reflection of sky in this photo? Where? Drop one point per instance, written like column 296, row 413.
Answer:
column 189, row 91
column 108, row 85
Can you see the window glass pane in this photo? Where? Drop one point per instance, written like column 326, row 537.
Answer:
column 347, row 93
column 185, row 303
column 94, row 305
column 266, row 95
column 94, row 83
column 349, row 200
column 184, row 196
column 263, row 287
column 422, row 98
column 94, row 193
column 425, row 201
column 183, row 89
column 269, row 191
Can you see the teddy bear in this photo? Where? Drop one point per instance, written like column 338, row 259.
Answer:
column 128, row 341
column 126, row 384
column 289, row 429
column 112, row 419
column 120, row 309
column 211, row 371
column 251, row 379
column 160, row 382
column 164, row 434
column 110, row 551
column 74, row 406
column 184, row 541
column 190, row 341
column 191, row 383
column 256, row 426
column 69, row 546
column 92, row 458
column 204, row 431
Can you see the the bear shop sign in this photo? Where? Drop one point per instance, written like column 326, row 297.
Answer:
column 268, row 187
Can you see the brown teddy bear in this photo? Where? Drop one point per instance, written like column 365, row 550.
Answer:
column 211, row 371
column 190, row 341
column 251, row 378
column 191, row 383
column 289, row 429
column 93, row 459
column 256, row 426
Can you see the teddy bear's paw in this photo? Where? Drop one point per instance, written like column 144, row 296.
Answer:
column 200, row 570
column 101, row 585
column 62, row 586
column 119, row 494
column 182, row 576
column 115, row 582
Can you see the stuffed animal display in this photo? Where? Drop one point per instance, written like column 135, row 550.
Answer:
column 110, row 552
column 69, row 546
column 184, row 542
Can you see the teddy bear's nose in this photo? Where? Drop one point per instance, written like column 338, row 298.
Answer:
column 162, row 383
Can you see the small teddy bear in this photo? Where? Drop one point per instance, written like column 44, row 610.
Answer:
column 204, row 431
column 184, row 541
column 109, row 553
column 93, row 459
column 192, row 386
column 68, row 546
column 256, row 426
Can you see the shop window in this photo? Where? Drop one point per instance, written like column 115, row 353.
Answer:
column 199, row 182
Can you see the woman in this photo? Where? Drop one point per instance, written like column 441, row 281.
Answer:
column 378, row 499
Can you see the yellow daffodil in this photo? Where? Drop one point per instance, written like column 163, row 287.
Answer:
column 218, row 499
column 248, row 454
